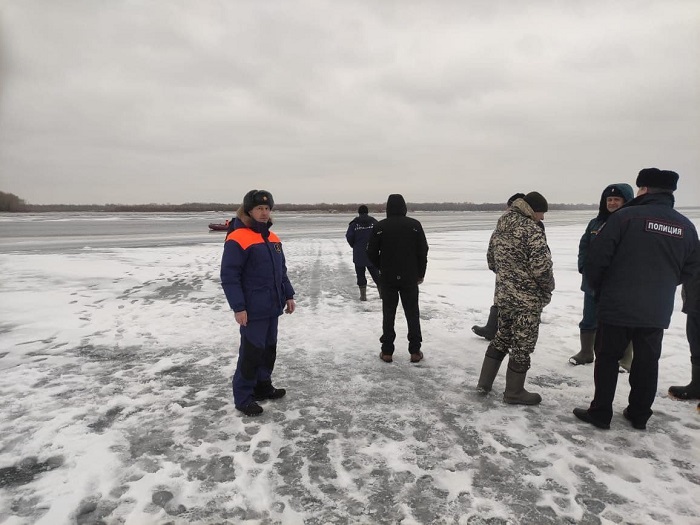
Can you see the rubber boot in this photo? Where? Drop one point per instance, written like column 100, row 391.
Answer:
column 488, row 331
column 626, row 361
column 363, row 293
column 586, row 354
column 691, row 390
column 489, row 370
column 515, row 393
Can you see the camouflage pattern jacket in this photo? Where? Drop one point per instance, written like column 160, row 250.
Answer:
column 519, row 255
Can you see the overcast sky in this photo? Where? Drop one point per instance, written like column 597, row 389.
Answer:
column 136, row 101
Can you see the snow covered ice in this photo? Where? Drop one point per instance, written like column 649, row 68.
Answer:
column 116, row 354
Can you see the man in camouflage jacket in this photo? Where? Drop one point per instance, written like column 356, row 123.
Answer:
column 519, row 255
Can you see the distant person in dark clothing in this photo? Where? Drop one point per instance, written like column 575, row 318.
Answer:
column 691, row 306
column 399, row 249
column 488, row 331
column 612, row 198
column 358, row 234
column 644, row 251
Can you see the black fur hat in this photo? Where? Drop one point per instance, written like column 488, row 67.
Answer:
column 656, row 178
column 257, row 198
column 536, row 201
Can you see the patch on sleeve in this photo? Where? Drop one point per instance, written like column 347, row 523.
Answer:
column 672, row 230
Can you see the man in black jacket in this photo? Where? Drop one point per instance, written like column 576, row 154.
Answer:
column 399, row 249
column 691, row 306
column 357, row 235
column 644, row 251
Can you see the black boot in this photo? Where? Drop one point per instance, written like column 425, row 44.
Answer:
column 586, row 354
column 691, row 390
column 363, row 293
column 488, row 331
column 251, row 409
column 264, row 390
column 584, row 415
column 489, row 370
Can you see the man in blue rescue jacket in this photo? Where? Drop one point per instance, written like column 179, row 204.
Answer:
column 644, row 251
column 254, row 279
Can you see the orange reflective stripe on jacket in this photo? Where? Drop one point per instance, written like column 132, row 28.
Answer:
column 246, row 237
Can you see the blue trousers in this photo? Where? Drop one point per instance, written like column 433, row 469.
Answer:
column 362, row 278
column 256, row 358
column 589, row 321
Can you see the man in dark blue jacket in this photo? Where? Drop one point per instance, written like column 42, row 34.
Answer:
column 254, row 279
column 613, row 198
column 644, row 251
column 399, row 249
column 358, row 234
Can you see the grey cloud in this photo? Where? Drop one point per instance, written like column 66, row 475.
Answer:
column 343, row 101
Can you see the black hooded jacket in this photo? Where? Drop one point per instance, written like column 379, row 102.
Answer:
column 398, row 246
column 617, row 190
column 644, row 251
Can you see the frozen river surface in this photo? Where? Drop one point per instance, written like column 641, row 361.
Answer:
column 117, row 347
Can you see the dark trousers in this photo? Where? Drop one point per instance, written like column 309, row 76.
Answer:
column 256, row 358
column 361, row 278
column 610, row 345
column 409, row 302
column 692, row 332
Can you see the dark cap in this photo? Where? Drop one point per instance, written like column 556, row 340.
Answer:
column 515, row 197
column 363, row 210
column 257, row 198
column 656, row 178
column 536, row 201
column 614, row 191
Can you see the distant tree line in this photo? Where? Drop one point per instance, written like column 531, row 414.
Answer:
column 12, row 203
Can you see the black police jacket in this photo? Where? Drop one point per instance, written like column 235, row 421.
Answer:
column 644, row 251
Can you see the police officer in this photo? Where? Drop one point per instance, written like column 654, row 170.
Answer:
column 644, row 251
column 691, row 306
